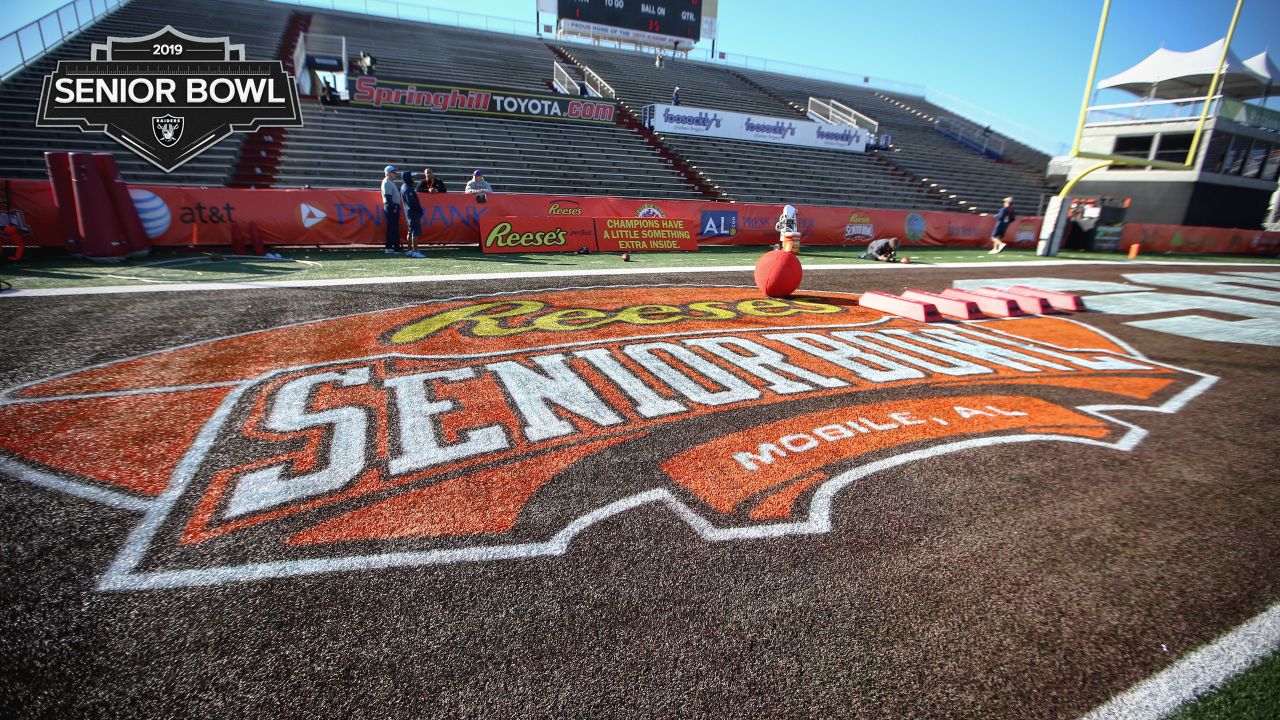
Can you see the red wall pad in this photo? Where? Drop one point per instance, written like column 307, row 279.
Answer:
column 103, row 237
column 58, row 166
column 137, row 244
column 894, row 305
column 1059, row 300
column 998, row 307
column 951, row 307
column 1028, row 304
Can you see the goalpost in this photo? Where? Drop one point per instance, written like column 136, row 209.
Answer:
column 1054, row 226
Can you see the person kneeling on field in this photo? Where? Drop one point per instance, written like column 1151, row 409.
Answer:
column 413, row 212
column 883, row 250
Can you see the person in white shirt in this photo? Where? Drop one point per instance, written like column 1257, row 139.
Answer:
column 390, row 210
column 477, row 185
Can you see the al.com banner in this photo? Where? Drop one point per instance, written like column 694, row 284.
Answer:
column 683, row 120
column 1182, row 238
column 183, row 216
column 478, row 100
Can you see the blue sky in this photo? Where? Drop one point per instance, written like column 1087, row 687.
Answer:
column 1024, row 60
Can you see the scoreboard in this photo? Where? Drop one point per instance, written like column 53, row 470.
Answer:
column 674, row 18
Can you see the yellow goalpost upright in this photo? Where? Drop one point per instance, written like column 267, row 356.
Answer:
column 1054, row 221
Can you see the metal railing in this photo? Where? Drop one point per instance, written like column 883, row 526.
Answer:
column 833, row 111
column 1182, row 110
column 32, row 41
column 1148, row 111
column 970, row 135
column 561, row 78
column 597, row 84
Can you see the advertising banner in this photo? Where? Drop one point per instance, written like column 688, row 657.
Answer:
column 683, row 120
column 645, row 234
column 181, row 216
column 380, row 92
column 1181, row 238
column 537, row 234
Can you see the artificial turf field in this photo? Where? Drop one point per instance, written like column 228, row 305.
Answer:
column 605, row 555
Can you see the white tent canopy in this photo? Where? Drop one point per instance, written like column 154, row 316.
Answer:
column 1263, row 65
column 1173, row 75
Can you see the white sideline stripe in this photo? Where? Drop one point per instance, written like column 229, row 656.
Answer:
column 340, row 282
column 80, row 490
column 1195, row 675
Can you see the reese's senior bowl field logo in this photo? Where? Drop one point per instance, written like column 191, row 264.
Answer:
column 168, row 96
column 501, row 426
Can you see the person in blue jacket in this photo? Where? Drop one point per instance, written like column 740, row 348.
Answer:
column 1004, row 218
column 412, row 213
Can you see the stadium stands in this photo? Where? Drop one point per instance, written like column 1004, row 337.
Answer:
column 347, row 147
column 748, row 171
column 918, row 149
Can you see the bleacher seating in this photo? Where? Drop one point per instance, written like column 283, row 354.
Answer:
column 349, row 146
column 749, row 171
column 255, row 24
column 936, row 162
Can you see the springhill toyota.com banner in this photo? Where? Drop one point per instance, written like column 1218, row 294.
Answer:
column 684, row 120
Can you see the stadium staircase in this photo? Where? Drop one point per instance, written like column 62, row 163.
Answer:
column 751, row 171
column 261, row 149
column 946, row 171
column 22, row 145
column 629, row 117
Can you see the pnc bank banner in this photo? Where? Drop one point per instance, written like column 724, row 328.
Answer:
column 380, row 92
column 683, row 120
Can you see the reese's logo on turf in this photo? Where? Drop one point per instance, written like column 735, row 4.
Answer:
column 501, row 426
column 168, row 96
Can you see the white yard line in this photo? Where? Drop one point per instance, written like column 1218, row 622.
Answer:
column 341, row 282
column 1197, row 674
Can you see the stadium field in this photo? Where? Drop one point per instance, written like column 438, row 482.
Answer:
column 417, row 490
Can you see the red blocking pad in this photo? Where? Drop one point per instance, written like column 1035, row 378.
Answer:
column 1028, row 304
column 951, row 307
column 895, row 305
column 1059, row 300
column 998, row 307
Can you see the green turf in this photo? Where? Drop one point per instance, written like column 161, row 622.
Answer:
column 1255, row 695
column 58, row 271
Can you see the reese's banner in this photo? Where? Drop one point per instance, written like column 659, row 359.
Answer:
column 479, row 100
column 536, row 234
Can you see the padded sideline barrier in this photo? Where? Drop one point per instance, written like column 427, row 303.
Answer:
column 136, row 242
column 58, row 166
column 103, row 236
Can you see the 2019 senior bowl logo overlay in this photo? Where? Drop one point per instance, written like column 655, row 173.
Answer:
column 501, row 426
column 168, row 96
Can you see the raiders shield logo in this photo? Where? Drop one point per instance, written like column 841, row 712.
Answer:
column 168, row 129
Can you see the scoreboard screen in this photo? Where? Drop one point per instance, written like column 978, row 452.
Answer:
column 676, row 18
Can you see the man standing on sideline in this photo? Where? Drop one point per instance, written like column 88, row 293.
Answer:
column 412, row 213
column 390, row 210
column 1003, row 220
column 430, row 183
